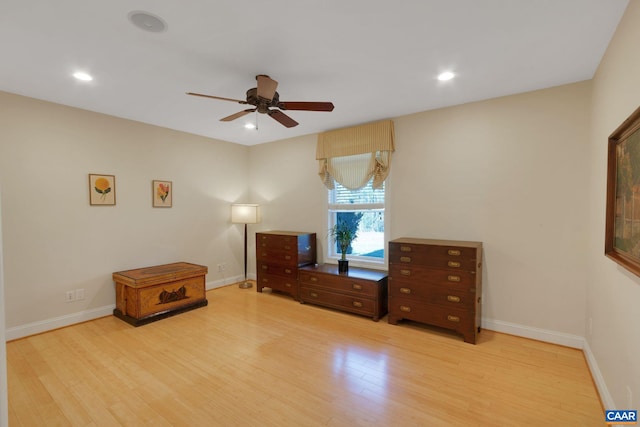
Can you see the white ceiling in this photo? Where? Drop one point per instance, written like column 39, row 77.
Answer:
column 374, row 59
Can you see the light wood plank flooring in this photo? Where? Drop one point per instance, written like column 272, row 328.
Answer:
column 252, row 359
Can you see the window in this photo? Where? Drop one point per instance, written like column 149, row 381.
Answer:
column 364, row 208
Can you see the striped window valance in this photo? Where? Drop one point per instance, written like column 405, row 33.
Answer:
column 352, row 156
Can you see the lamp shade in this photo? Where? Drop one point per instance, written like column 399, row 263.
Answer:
column 245, row 214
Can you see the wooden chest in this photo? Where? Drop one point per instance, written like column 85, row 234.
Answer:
column 361, row 291
column 147, row 294
column 438, row 282
column 279, row 255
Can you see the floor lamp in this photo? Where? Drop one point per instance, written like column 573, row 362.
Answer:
column 245, row 214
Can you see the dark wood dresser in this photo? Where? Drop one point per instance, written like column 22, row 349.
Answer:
column 438, row 282
column 360, row 290
column 279, row 255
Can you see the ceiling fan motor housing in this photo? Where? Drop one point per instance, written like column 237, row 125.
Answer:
column 262, row 104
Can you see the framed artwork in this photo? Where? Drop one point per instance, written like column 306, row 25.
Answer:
column 102, row 190
column 622, row 232
column 162, row 194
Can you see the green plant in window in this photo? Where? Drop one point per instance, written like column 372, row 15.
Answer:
column 343, row 234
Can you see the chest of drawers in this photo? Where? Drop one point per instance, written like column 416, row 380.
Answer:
column 437, row 282
column 361, row 291
column 279, row 255
column 147, row 294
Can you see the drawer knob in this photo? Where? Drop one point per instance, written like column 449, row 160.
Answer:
column 313, row 294
column 264, row 245
column 288, row 285
column 405, row 272
column 405, row 308
column 265, row 280
column 287, row 247
column 356, row 286
column 453, row 318
column 357, row 304
column 454, row 264
column 452, row 278
column 264, row 237
column 265, row 267
column 405, row 248
column 313, row 278
column 454, row 252
column 405, row 259
column 287, row 270
column 405, row 291
column 287, row 257
column 453, row 298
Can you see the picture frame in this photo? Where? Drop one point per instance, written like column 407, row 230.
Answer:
column 102, row 190
column 162, row 194
column 622, row 229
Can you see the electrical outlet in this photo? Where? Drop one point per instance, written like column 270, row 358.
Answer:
column 69, row 296
column 629, row 398
column 221, row 267
column 79, row 294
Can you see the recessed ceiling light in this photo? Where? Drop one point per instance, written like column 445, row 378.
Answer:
column 147, row 21
column 447, row 75
column 82, row 76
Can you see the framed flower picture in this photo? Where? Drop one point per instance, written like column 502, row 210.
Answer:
column 162, row 194
column 102, row 190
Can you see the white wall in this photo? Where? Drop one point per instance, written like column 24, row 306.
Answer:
column 55, row 241
column 4, row 405
column 509, row 172
column 613, row 294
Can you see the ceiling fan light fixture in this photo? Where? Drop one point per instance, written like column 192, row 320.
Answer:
column 445, row 76
column 250, row 126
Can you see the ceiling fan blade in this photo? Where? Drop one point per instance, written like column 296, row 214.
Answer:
column 307, row 106
column 283, row 118
column 217, row 97
column 237, row 115
column 266, row 87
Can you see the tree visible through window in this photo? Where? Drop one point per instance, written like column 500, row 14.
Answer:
column 364, row 210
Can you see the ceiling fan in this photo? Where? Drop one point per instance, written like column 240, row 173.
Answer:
column 264, row 97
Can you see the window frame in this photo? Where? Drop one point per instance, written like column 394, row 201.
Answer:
column 332, row 255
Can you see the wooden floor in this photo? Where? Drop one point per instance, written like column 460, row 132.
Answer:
column 251, row 359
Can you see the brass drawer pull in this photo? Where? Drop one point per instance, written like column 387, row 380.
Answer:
column 405, row 272
column 265, row 280
column 287, row 270
column 405, row 291
column 453, row 318
column 405, row 248
column 288, row 285
column 265, row 267
column 405, row 259
column 453, row 298
column 287, row 247
column 264, row 254
column 287, row 257
column 313, row 294
column 454, row 264
column 313, row 279
column 356, row 286
column 357, row 304
column 405, row 308
column 453, row 278
column 454, row 252
column 264, row 245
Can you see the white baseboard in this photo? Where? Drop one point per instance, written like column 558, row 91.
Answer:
column 598, row 379
column 57, row 322
column 554, row 337
column 82, row 316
